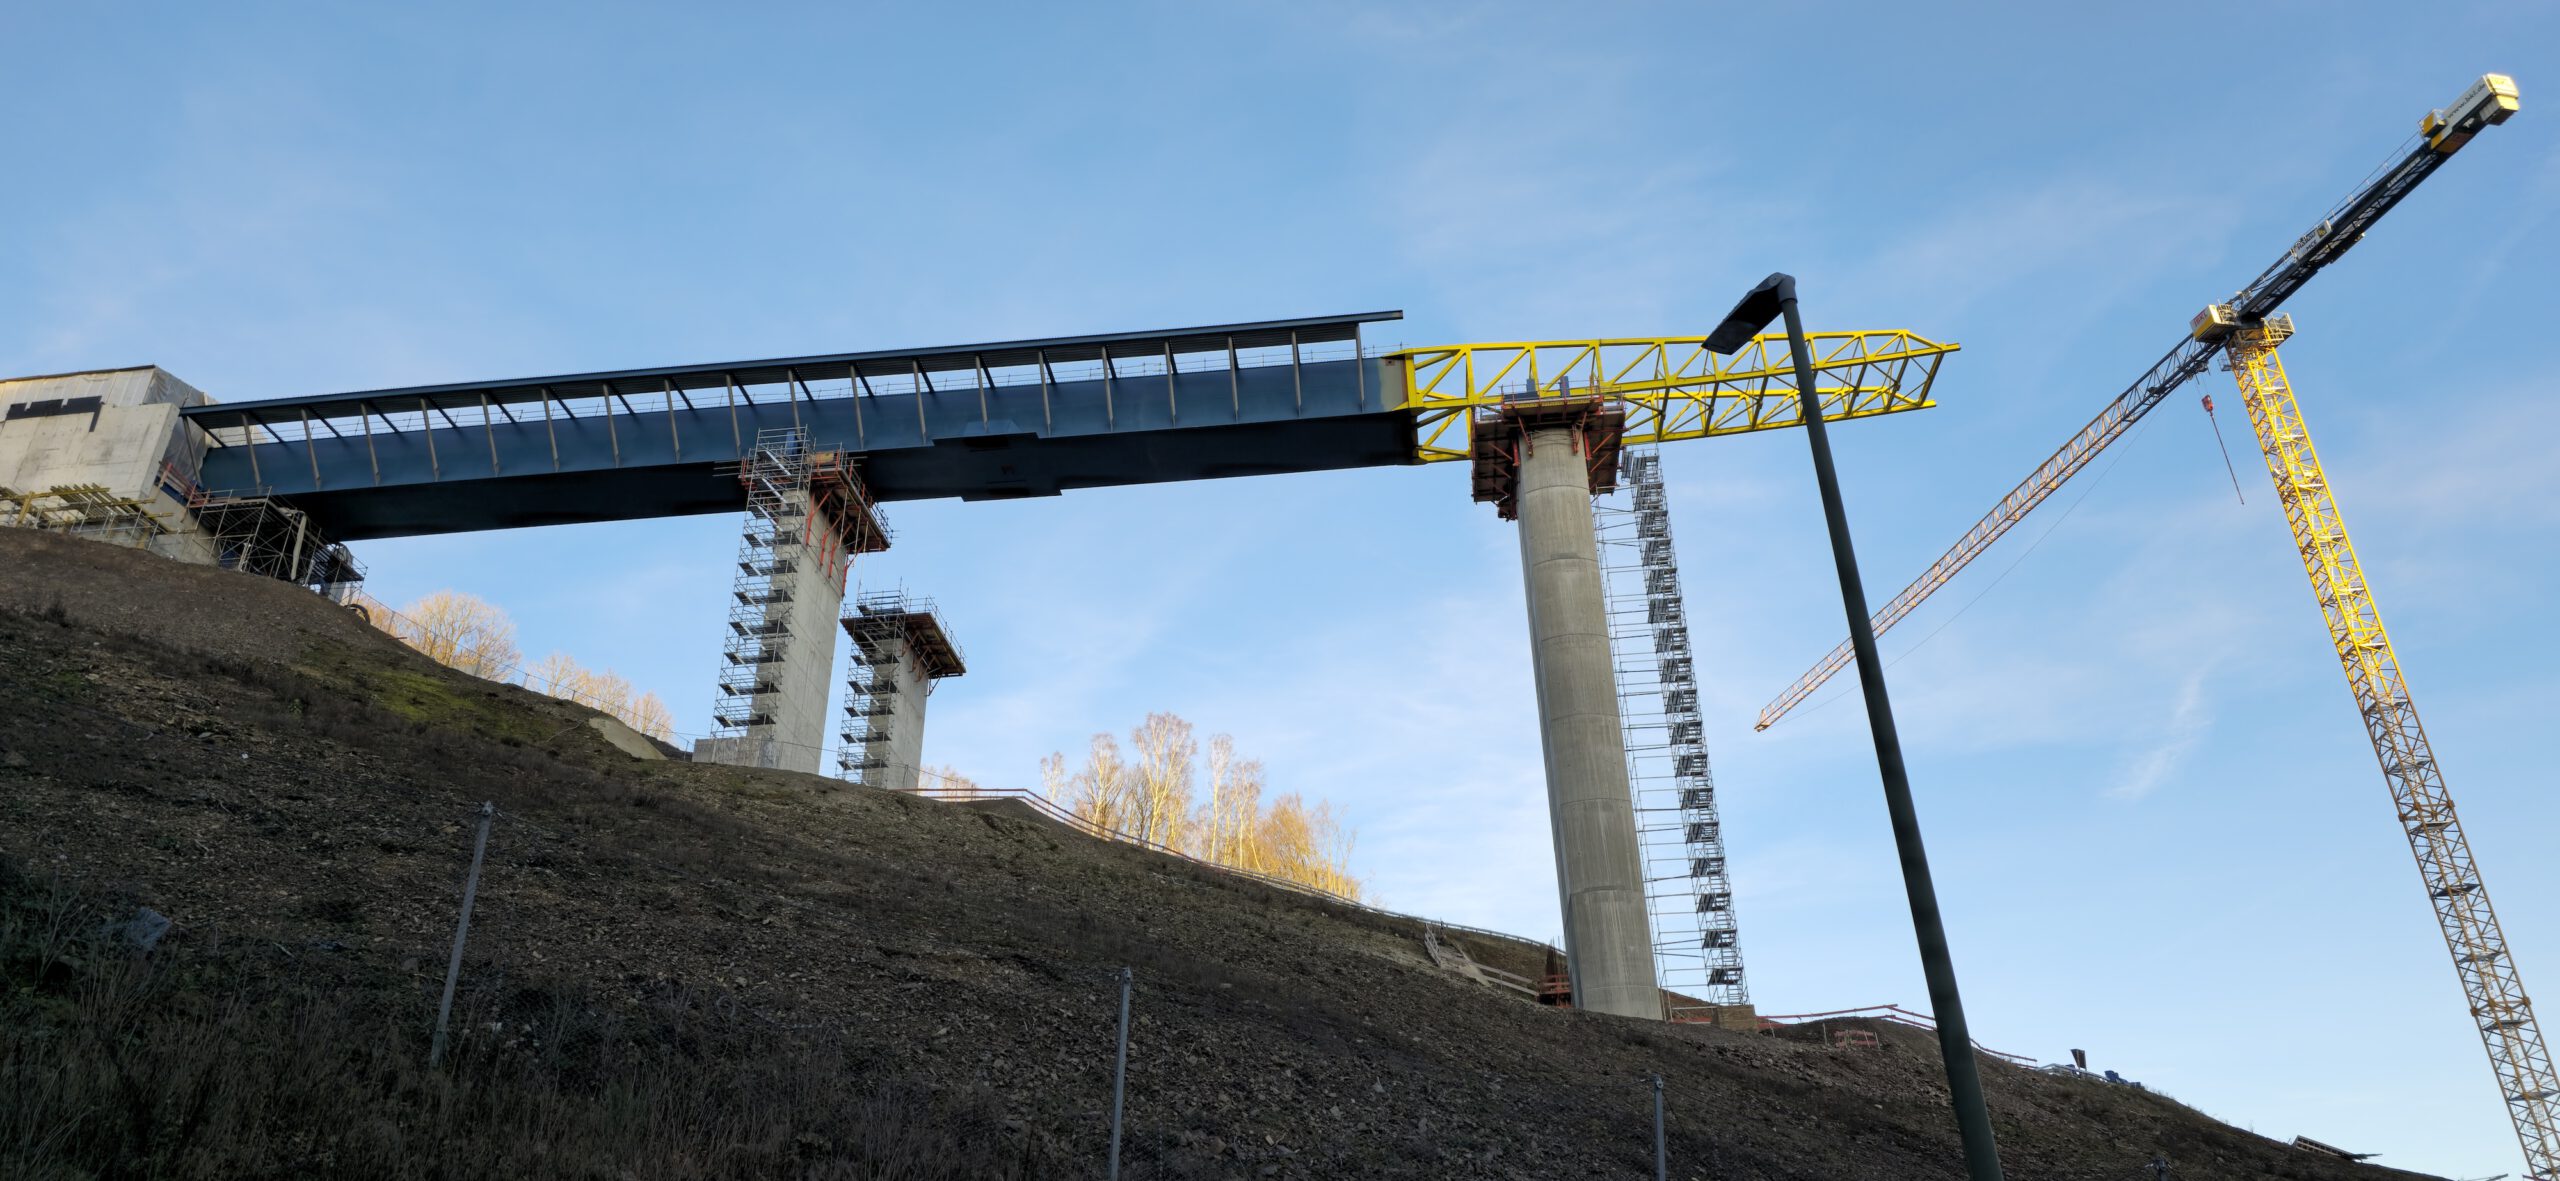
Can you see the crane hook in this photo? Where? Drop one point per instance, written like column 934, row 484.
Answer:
column 2226, row 450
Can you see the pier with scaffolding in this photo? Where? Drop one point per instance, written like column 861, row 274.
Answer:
column 807, row 515
column 900, row 651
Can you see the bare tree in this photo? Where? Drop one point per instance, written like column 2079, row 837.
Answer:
column 460, row 631
column 1100, row 792
column 650, row 715
column 1222, row 758
column 947, row 783
column 1160, row 795
column 557, row 674
column 606, row 691
column 1226, row 823
column 560, row 675
column 1306, row 845
column 1151, row 799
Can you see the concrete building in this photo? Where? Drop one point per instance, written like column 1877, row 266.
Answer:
column 100, row 454
column 108, row 455
column 1540, row 463
column 901, row 650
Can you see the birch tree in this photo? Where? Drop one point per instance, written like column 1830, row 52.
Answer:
column 1099, row 793
column 1160, row 791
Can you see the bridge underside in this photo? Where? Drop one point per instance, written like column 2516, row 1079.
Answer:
column 999, row 466
column 1029, row 418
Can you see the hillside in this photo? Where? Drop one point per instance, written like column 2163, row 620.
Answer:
column 688, row 971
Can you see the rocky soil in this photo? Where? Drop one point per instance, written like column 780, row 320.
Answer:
column 902, row 987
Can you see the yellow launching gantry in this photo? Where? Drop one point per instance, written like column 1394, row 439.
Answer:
column 1670, row 387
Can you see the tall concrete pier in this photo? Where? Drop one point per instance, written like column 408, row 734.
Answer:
column 1542, row 463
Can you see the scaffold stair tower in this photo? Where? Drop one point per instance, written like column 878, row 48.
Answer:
column 1689, row 891
column 776, row 476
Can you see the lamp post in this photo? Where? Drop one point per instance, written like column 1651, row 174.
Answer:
column 1775, row 297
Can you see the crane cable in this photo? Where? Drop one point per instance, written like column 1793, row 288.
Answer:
column 2226, row 450
column 2014, row 563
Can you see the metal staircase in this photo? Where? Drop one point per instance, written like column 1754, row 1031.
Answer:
column 1688, row 891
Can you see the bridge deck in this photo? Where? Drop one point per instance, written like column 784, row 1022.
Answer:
column 1010, row 419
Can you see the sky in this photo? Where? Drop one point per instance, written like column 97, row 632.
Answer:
column 2158, row 830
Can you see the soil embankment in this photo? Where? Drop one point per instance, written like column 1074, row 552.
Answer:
column 690, row 971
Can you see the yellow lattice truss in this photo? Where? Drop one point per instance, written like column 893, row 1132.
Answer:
column 2499, row 1006
column 1672, row 387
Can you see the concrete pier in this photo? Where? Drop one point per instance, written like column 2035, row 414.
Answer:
column 900, row 650
column 897, row 741
column 1599, row 864
column 780, row 698
column 807, row 516
column 796, row 734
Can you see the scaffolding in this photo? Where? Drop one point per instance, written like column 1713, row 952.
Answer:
column 1696, row 945
column 250, row 532
column 258, row 534
column 790, row 489
column 83, row 510
column 776, row 475
column 900, row 649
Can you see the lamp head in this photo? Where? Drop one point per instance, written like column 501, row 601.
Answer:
column 1757, row 307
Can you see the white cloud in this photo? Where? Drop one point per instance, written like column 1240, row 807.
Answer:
column 2177, row 738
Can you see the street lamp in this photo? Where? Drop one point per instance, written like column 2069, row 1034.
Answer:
column 1776, row 296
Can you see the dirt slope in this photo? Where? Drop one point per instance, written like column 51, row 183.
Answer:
column 685, row 971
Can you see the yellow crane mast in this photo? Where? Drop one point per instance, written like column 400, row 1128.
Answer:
column 2246, row 331
column 2489, row 981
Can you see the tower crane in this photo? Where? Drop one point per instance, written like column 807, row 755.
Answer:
column 2246, row 331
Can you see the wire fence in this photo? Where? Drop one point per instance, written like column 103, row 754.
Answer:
column 1648, row 1101
column 1894, row 1014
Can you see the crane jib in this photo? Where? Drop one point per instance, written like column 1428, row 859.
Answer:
column 2180, row 366
column 2247, row 331
column 2260, row 298
column 2345, row 226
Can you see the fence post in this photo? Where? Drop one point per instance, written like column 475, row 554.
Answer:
column 1661, row 1152
column 1120, row 1075
column 461, row 931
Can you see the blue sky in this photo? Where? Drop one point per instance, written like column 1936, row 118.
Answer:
column 2158, row 829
